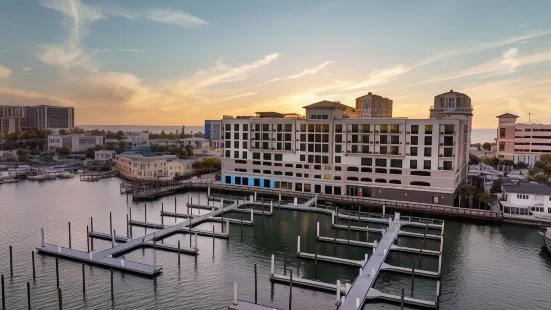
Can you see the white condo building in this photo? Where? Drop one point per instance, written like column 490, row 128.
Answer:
column 75, row 142
column 333, row 151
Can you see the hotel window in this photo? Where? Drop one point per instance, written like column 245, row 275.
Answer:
column 265, row 127
column 502, row 146
column 338, row 138
column 303, row 137
column 267, row 156
column 235, row 154
column 228, row 127
column 414, row 129
column 227, row 155
column 428, row 152
column 384, row 128
column 245, row 145
column 428, row 129
column 338, row 128
column 302, row 157
column 256, row 155
column 303, row 147
column 380, row 162
column 235, row 127
column 426, row 164
column 302, row 127
column 235, row 144
column 337, row 159
column 396, row 163
column 428, row 140
column 413, row 164
column 367, row 161
column 245, row 127
column 413, row 151
column 338, row 148
column 327, row 176
column 244, row 155
column 245, row 136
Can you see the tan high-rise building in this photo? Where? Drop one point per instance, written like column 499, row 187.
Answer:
column 372, row 105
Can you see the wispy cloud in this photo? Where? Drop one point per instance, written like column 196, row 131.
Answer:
column 175, row 17
column 505, row 64
column 237, row 96
column 27, row 69
column 224, row 74
column 481, row 47
column 109, row 50
column 5, row 72
column 310, row 71
column 380, row 77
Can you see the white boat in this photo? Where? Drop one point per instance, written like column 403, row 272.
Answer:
column 38, row 177
column 546, row 233
column 66, row 175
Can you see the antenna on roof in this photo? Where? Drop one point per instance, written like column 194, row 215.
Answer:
column 529, row 114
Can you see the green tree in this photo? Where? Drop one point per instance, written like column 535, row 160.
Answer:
column 63, row 150
column 62, row 132
column 78, row 130
column 12, row 136
column 473, row 160
column 487, row 146
column 120, row 134
column 90, row 151
column 468, row 191
column 484, row 197
column 22, row 154
column 189, row 150
column 96, row 132
column 521, row 165
column 496, row 186
column 477, row 145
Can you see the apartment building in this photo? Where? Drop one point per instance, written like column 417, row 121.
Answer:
column 213, row 133
column 149, row 167
column 10, row 118
column 372, row 105
column 332, row 152
column 43, row 117
column 75, row 143
column 522, row 142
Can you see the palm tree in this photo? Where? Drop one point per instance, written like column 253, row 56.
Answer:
column 484, row 197
column 468, row 191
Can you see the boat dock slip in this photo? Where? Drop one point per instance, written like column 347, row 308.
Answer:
column 171, row 248
column 376, row 294
column 244, row 305
column 103, row 261
column 347, row 242
column 419, row 235
column 413, row 250
column 315, row 285
column 206, row 233
column 417, row 272
column 178, row 215
column 229, row 220
column 359, row 228
column 331, row 259
column 385, row 221
column 108, row 237
column 107, row 258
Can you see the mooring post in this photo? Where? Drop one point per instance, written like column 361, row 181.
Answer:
column 367, row 233
column 254, row 196
column 295, row 201
column 83, row 283
column 42, row 236
column 337, row 216
column 384, row 209
column 272, row 266
column 279, row 197
column 285, row 262
column 213, row 240
column 127, row 227
column 69, row 235
column 412, row 277
column 111, row 223
column 154, row 255
column 349, row 229
column 359, row 208
column 113, row 238
column 174, row 204
column 208, row 191
column 402, row 301
column 162, row 214
column 317, row 229
column 29, row 295
column 34, row 270
column 228, row 227
column 112, row 286
column 255, row 286
column 241, row 226
column 145, row 213
column 271, row 207
column 252, row 217
column 332, row 218
column 59, row 298
column 334, row 243
column 235, row 293
column 3, row 293
column 338, row 286
column 298, row 245
column 57, row 272
column 178, row 253
column 290, row 288
column 11, row 261
column 195, row 243
column 438, row 302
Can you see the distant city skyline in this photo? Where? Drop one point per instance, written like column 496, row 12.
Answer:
column 169, row 62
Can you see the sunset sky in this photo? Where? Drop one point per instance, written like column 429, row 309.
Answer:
column 176, row 62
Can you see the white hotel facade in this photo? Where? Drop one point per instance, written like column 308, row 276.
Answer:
column 337, row 151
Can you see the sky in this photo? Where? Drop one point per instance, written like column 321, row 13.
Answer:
column 179, row 62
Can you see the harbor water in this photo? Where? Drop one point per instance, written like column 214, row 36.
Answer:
column 499, row 266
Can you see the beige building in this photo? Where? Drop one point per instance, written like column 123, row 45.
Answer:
column 335, row 151
column 522, row 142
column 372, row 105
column 151, row 167
column 42, row 117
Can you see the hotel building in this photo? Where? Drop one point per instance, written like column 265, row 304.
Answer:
column 372, row 105
column 42, row 117
column 336, row 151
column 75, row 143
column 522, row 142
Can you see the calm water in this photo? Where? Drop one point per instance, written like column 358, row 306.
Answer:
column 484, row 267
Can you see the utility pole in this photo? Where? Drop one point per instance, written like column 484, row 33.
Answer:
column 529, row 114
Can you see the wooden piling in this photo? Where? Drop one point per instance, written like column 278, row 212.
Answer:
column 174, row 204
column 213, row 239
column 69, row 235
column 112, row 286
column 127, row 227
column 241, row 226
column 145, row 212
column 162, row 211
column 83, row 283
column 11, row 262
column 59, row 298
column 290, row 289
column 255, row 286
column 57, row 272
column 349, row 229
column 110, row 223
column 3, row 293
column 334, row 243
column 29, row 295
column 285, row 262
column 92, row 230
column 402, row 301
column 34, row 269
column 438, row 302
column 178, row 253
column 412, row 277
column 190, row 232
